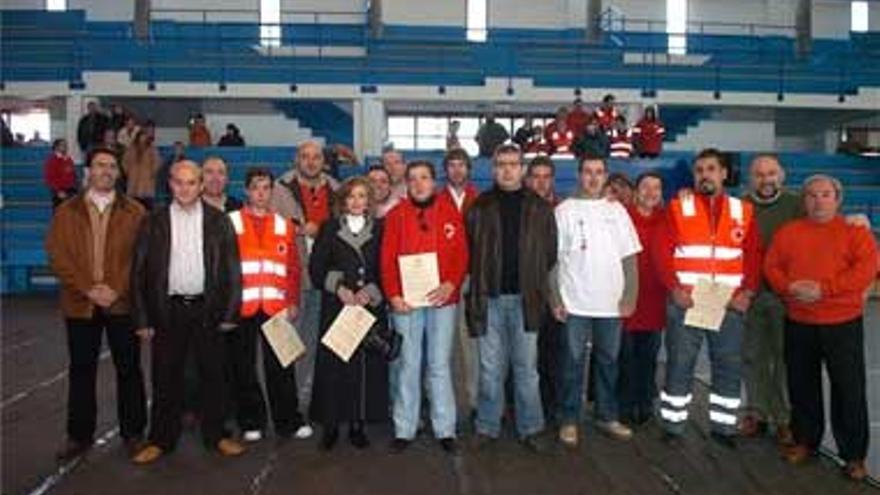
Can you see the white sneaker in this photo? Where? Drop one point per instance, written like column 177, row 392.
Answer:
column 252, row 436
column 615, row 429
column 303, row 432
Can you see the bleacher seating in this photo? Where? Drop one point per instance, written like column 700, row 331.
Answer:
column 26, row 209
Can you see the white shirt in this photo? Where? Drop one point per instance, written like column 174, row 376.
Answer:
column 457, row 197
column 102, row 201
column 594, row 236
column 186, row 270
column 355, row 223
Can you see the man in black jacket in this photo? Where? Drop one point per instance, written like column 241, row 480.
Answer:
column 512, row 234
column 186, row 291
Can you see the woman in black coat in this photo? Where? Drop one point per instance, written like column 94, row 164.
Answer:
column 345, row 265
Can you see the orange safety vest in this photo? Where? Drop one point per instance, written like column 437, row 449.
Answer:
column 263, row 263
column 702, row 253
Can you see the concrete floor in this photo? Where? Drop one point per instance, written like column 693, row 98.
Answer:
column 33, row 410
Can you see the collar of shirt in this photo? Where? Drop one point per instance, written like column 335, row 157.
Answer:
column 219, row 203
column 355, row 223
column 177, row 209
column 101, row 200
column 456, row 196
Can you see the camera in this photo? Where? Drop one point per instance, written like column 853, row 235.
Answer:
column 386, row 344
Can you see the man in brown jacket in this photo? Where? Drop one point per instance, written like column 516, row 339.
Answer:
column 90, row 245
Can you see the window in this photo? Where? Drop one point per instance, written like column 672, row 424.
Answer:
column 30, row 123
column 676, row 26
column 270, row 22
column 476, row 20
column 59, row 5
column 859, row 17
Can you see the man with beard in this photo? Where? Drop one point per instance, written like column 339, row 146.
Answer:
column 713, row 237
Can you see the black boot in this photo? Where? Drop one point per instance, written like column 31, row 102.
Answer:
column 357, row 436
column 329, row 437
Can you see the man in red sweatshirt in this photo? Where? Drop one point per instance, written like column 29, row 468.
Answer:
column 822, row 267
column 708, row 235
column 60, row 173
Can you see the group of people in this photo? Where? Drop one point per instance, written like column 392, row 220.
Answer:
column 525, row 280
column 602, row 132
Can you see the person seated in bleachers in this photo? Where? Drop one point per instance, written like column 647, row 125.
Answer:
column 199, row 134
column 232, row 137
column 558, row 134
column 524, row 134
column 536, row 143
column 606, row 115
column 578, row 118
column 594, row 142
column 620, row 139
column 59, row 173
column 37, row 141
column 648, row 134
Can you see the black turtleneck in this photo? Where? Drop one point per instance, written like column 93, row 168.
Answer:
column 510, row 203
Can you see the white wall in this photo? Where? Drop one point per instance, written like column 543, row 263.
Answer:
column 424, row 12
column 104, row 10
column 831, row 19
column 874, row 16
column 23, row 4
column 546, row 14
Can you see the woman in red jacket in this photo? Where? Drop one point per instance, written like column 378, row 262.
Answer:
column 642, row 331
column 423, row 224
column 59, row 173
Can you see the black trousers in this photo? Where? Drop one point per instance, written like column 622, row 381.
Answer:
column 637, row 383
column 84, row 344
column 841, row 348
column 549, row 352
column 170, row 345
column 280, row 382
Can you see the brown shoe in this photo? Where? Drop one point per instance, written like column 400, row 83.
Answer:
column 230, row 448
column 797, row 454
column 784, row 436
column 856, row 470
column 148, row 454
column 750, row 426
column 71, row 450
column 568, row 435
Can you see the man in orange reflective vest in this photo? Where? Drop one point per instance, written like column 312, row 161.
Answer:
column 270, row 274
column 708, row 235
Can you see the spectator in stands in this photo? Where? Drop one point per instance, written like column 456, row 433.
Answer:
column 393, row 162
column 336, row 155
column 536, row 143
column 232, row 137
column 594, row 142
column 540, row 178
column 648, row 134
column 20, row 140
column 606, row 115
column 523, row 135
column 199, row 134
column 641, row 338
column 186, row 293
column 271, row 275
column 559, row 136
column 380, row 183
column 141, row 164
column 490, row 135
column 90, row 244
column 823, row 267
column 421, row 224
column 126, row 134
column 305, row 195
column 620, row 140
column 452, row 141
column 118, row 116
column 178, row 153
column 37, row 141
column 91, row 127
column 578, row 118
column 346, row 266
column 7, row 140
column 620, row 188
column 598, row 281
column 59, row 173
column 512, row 234
column 216, row 178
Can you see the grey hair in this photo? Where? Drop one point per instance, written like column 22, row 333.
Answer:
column 835, row 183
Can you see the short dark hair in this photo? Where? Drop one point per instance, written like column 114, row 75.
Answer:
column 100, row 150
column 591, row 157
column 255, row 173
column 421, row 164
column 457, row 154
column 378, row 168
column 620, row 178
column 712, row 153
column 650, row 174
column 541, row 161
column 504, row 149
column 608, row 98
column 57, row 142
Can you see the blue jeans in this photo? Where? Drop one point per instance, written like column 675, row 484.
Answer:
column 307, row 323
column 725, row 355
column 431, row 329
column 606, row 347
column 506, row 344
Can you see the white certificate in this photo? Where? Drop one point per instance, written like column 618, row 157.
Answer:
column 283, row 339
column 710, row 304
column 419, row 275
column 348, row 330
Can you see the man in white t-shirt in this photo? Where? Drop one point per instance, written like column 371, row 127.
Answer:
column 598, row 284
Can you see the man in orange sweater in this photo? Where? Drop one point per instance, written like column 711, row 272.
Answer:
column 822, row 267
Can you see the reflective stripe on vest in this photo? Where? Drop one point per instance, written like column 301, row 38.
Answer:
column 263, row 263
